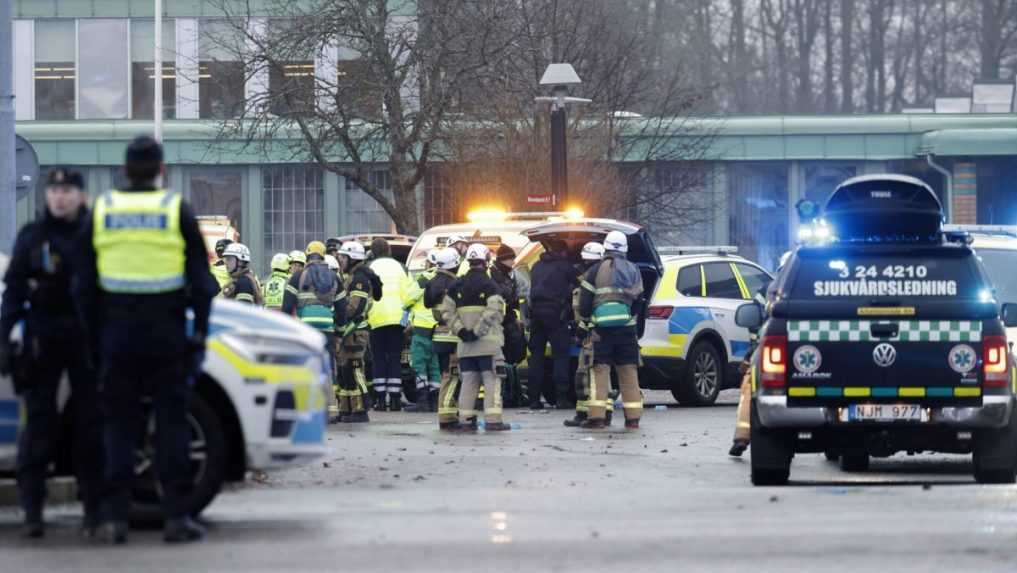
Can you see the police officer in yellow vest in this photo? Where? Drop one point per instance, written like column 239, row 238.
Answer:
column 423, row 358
column 612, row 292
column 275, row 287
column 386, row 321
column 143, row 264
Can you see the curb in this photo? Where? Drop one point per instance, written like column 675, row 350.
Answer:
column 60, row 490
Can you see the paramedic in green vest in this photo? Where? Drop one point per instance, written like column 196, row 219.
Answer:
column 362, row 289
column 611, row 295
column 386, row 321
column 313, row 296
column 423, row 358
column 275, row 287
column 143, row 265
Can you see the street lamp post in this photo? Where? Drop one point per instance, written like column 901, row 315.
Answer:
column 559, row 77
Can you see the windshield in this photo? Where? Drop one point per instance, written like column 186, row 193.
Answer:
column 999, row 265
column 491, row 235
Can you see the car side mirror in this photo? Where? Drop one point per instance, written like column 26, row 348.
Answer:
column 1010, row 315
column 750, row 316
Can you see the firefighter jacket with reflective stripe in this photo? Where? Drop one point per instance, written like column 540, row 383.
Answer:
column 314, row 290
column 610, row 290
column 388, row 311
column 274, row 289
column 475, row 303
column 413, row 300
column 358, row 299
column 434, row 296
column 138, row 244
column 244, row 287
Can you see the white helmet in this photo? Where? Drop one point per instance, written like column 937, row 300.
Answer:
column 354, row 250
column 592, row 251
column 332, row 262
column 453, row 239
column 432, row 257
column 478, row 252
column 238, row 250
column 280, row 262
column 617, row 242
column 447, row 259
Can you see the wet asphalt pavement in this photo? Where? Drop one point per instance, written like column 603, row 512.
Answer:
column 398, row 496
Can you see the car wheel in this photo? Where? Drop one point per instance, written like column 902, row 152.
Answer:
column 770, row 453
column 703, row 377
column 208, row 456
column 995, row 454
column 854, row 461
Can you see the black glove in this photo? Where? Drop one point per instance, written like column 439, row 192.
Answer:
column 6, row 362
column 467, row 335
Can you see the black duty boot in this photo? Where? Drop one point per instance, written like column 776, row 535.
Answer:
column 497, row 427
column 564, row 404
column 631, row 424
column 182, row 530
column 395, row 401
column 432, row 401
column 607, row 417
column 115, row 532
column 593, row 424
column 577, row 421
column 449, row 426
column 470, row 427
column 34, row 527
column 423, row 403
column 90, row 522
column 738, row 448
column 378, row 402
column 356, row 418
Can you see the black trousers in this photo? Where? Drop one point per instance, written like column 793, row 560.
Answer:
column 40, row 437
column 126, row 378
column 387, row 357
column 560, row 339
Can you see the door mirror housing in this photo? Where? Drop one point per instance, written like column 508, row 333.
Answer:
column 1010, row 315
column 750, row 316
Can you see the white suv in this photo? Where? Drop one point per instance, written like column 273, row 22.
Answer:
column 691, row 344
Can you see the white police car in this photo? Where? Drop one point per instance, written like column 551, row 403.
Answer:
column 691, row 344
column 260, row 404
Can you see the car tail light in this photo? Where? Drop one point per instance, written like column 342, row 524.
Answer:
column 995, row 360
column 660, row 312
column 774, row 361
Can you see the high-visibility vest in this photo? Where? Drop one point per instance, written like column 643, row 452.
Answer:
column 222, row 276
column 275, row 289
column 389, row 310
column 413, row 300
column 138, row 245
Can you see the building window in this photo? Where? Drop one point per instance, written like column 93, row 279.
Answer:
column 220, row 70
column 363, row 213
column 217, row 193
column 294, row 204
column 355, row 87
column 54, row 69
column 102, row 69
column 758, row 210
column 291, row 76
column 143, row 69
column 439, row 199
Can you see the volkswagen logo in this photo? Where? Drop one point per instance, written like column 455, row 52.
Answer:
column 884, row 355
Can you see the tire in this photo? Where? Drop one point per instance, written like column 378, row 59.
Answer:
column 209, row 455
column 854, row 461
column 995, row 454
column 770, row 453
column 704, row 375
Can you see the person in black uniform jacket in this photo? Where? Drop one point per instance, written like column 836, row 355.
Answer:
column 144, row 340
column 39, row 292
column 552, row 280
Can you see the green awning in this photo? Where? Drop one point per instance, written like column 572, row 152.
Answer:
column 1000, row 141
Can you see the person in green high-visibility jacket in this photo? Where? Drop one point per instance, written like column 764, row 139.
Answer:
column 275, row 287
column 423, row 358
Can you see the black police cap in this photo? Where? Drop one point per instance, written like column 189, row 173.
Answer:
column 144, row 150
column 65, row 176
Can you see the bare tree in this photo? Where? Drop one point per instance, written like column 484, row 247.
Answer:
column 385, row 94
column 998, row 26
column 806, row 18
column 847, row 62
column 829, row 89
